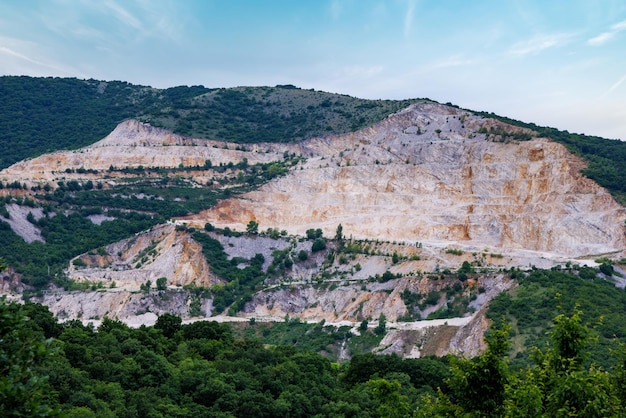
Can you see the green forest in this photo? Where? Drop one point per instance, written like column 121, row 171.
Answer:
column 202, row 370
column 40, row 115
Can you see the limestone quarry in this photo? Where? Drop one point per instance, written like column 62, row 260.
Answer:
column 419, row 193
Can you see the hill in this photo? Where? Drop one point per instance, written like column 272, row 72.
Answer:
column 414, row 221
column 39, row 115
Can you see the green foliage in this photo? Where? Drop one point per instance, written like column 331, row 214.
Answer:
column 302, row 255
column 39, row 115
column 23, row 349
column 168, row 324
column 454, row 251
column 558, row 384
column 314, row 233
column 478, row 384
column 318, row 245
column 339, row 234
column 252, row 227
column 381, row 328
column 161, row 283
column 66, row 236
column 240, row 281
column 532, row 305
column 203, row 369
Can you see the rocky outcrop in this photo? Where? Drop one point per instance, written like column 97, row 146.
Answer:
column 425, row 179
column 133, row 144
column 160, row 252
column 427, row 174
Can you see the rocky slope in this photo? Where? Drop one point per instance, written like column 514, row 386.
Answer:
column 422, row 182
column 132, row 144
column 428, row 174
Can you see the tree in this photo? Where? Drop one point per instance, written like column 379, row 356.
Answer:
column 161, row 283
column 168, row 324
column 145, row 287
column 363, row 326
column 381, row 328
column 392, row 402
column 252, row 227
column 559, row 384
column 314, row 233
column 22, row 351
column 318, row 245
column 339, row 234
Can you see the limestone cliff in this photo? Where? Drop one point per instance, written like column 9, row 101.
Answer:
column 160, row 252
column 427, row 174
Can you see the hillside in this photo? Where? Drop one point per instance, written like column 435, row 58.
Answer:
column 39, row 115
column 416, row 220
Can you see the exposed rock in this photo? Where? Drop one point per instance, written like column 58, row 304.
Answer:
column 424, row 180
column 452, row 187
column 160, row 252
column 19, row 223
column 132, row 144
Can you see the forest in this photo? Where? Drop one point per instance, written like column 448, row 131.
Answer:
column 40, row 115
column 201, row 369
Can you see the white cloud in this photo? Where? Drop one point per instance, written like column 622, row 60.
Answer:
column 123, row 15
column 601, row 39
column 9, row 51
column 22, row 57
column 605, row 37
column 408, row 18
column 454, row 61
column 539, row 44
column 615, row 86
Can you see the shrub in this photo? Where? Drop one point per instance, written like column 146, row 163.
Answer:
column 318, row 245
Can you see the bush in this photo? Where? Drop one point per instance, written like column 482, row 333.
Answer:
column 318, row 245
column 606, row 269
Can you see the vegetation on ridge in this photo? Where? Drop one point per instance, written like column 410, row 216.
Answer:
column 39, row 115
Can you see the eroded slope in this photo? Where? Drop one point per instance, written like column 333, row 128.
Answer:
column 437, row 174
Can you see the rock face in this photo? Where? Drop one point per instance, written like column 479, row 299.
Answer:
column 427, row 174
column 132, row 144
column 160, row 252
column 430, row 175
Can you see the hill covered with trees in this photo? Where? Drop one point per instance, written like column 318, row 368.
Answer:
column 39, row 115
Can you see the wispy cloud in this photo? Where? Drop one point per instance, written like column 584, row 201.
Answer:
column 615, row 85
column 605, row 37
column 539, row 43
column 453, row 61
column 335, row 9
column 19, row 54
column 123, row 15
column 408, row 17
column 9, row 51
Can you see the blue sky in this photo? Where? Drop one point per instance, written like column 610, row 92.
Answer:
column 559, row 63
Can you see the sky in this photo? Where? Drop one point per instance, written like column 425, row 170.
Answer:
column 558, row 63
